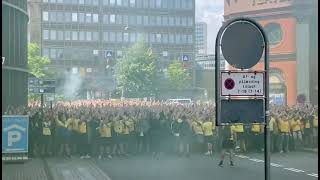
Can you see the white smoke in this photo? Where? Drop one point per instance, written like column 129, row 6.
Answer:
column 72, row 84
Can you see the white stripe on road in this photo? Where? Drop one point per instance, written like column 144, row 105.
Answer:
column 294, row 170
column 276, row 165
column 256, row 160
column 241, row 156
column 313, row 174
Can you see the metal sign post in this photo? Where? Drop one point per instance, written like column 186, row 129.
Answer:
column 243, row 42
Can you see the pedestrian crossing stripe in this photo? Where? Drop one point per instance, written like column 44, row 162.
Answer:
column 313, row 174
column 294, row 170
column 275, row 165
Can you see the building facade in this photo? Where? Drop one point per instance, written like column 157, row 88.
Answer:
column 88, row 35
column 14, row 53
column 201, row 38
column 291, row 27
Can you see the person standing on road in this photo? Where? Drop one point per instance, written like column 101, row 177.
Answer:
column 284, row 131
column 207, row 128
column 227, row 144
column 83, row 138
column 46, row 136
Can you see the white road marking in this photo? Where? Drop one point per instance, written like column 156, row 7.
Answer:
column 256, row 160
column 241, row 156
column 294, row 170
column 313, row 174
column 276, row 165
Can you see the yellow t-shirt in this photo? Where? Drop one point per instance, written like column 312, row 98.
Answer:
column 130, row 124
column 295, row 125
column 126, row 129
column 284, row 126
column 69, row 124
column 76, row 124
column 315, row 121
column 83, row 127
column 105, row 130
column 256, row 128
column 46, row 131
column 272, row 124
column 238, row 128
column 207, row 128
column 308, row 126
column 197, row 127
column 118, row 127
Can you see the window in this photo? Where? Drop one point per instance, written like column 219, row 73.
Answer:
column 125, row 19
column 178, row 21
column 60, row 35
column 53, row 53
column 171, row 38
column 165, row 53
column 139, row 20
column 139, row 3
column 171, row 21
column 45, row 1
column 119, row 36
column 112, row 19
column 158, row 38
column 112, row 36
column 81, row 36
column 67, row 35
column 139, row 36
column 45, row 52
column 152, row 20
column 95, row 18
column 67, row 17
column 125, row 37
column 274, row 32
column 45, row 34
column 105, row 19
column 119, row 53
column 118, row 19
column 178, row 39
column 165, row 38
column 190, row 39
column 152, row 3
column 88, row 18
column 177, row 4
column 133, row 37
column 74, row 2
column 132, row 20
column 95, row 2
column 74, row 17
column 74, row 35
column 88, row 2
column 170, row 4
column 125, row 3
column 53, row 16
column 81, row 17
column 152, row 38
column 52, row 1
column 189, row 4
column 53, row 35
column 60, row 17
column 132, row 3
column 184, row 4
column 112, row 2
column 106, row 36
column 81, row 1
column 165, row 21
column 59, row 53
column 190, row 21
column 95, row 36
column 146, row 38
column 145, row 3
column 165, row 3
column 88, row 36
column 159, row 20
column 119, row 2
column 145, row 20
column 158, row 3
column 184, row 39
column 105, row 2
column 45, row 16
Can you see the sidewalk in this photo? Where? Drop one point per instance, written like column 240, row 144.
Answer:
column 32, row 170
column 312, row 150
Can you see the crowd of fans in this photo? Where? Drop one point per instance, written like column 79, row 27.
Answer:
column 108, row 128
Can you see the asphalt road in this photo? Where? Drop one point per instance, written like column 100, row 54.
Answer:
column 291, row 166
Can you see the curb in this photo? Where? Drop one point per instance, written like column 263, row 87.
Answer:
column 309, row 150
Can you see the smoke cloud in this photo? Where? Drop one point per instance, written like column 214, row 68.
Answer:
column 72, row 84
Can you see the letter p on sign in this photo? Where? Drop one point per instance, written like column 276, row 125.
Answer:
column 13, row 137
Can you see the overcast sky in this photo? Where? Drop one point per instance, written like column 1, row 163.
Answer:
column 211, row 12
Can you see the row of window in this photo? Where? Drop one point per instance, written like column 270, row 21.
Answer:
column 54, row 16
column 165, row 4
column 117, row 37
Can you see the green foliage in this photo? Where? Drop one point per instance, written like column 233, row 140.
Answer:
column 179, row 78
column 136, row 71
column 36, row 62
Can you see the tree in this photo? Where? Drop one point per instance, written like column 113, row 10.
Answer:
column 136, row 71
column 36, row 62
column 179, row 78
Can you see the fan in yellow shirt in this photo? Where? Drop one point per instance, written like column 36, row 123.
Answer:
column 296, row 132
column 105, row 132
column 207, row 128
column 83, row 138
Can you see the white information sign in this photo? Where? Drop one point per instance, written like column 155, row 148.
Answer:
column 242, row 83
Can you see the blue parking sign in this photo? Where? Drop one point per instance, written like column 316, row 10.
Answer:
column 15, row 134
